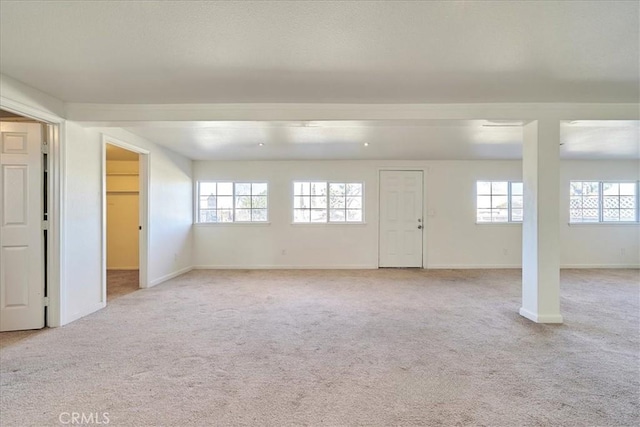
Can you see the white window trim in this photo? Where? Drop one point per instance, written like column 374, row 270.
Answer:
column 196, row 219
column 327, row 208
column 509, row 220
column 601, row 221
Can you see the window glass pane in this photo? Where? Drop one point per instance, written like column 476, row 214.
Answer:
column 627, row 214
column 207, row 188
column 516, row 188
column 575, row 215
column 627, row 188
column 611, row 202
column 499, row 202
column 243, row 189
column 627, row 202
column 301, row 215
column 354, row 215
column 318, row 188
column 590, row 188
column 499, row 215
column 591, row 202
column 483, row 187
column 610, row 188
column 225, row 215
column 301, row 202
column 575, row 188
column 337, row 215
column 610, row 215
column 243, row 202
column 516, row 202
column 318, row 215
column 301, row 188
column 225, row 202
column 318, row 202
column 516, row 215
column 483, row 215
column 207, row 202
column 590, row 215
column 575, row 202
column 225, row 188
column 484, row 202
column 337, row 201
column 354, row 189
column 208, row 216
column 243, row 214
column 259, row 202
column 259, row 215
column 499, row 188
column 336, row 189
column 354, row 202
column 259, row 189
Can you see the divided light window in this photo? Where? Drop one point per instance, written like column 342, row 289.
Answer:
column 498, row 201
column 599, row 201
column 232, row 202
column 317, row 202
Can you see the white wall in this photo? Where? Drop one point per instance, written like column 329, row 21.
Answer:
column 452, row 238
column 169, row 230
column 123, row 215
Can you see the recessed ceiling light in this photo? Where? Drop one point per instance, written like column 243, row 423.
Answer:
column 366, row 144
column 261, row 144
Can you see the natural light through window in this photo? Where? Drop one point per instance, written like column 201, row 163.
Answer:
column 599, row 201
column 318, row 202
column 232, row 202
column 499, row 201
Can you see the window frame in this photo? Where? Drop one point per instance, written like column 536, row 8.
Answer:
column 233, row 209
column 327, row 207
column 510, row 207
column 601, row 208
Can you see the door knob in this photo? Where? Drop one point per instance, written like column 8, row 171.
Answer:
column 419, row 227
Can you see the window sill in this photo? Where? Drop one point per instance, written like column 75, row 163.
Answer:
column 499, row 223
column 316, row 224
column 602, row 224
column 231, row 224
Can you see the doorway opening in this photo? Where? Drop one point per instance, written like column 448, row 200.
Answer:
column 125, row 207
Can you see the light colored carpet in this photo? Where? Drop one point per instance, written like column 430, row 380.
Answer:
column 379, row 347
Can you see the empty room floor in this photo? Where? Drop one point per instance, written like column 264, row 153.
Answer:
column 374, row 347
column 122, row 282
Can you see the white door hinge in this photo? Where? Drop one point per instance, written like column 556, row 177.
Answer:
column 45, row 148
column 45, row 300
column 45, row 225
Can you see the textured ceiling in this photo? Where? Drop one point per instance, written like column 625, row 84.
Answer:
column 359, row 52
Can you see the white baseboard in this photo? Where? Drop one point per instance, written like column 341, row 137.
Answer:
column 541, row 318
column 87, row 311
column 470, row 266
column 600, row 266
column 169, row 276
column 286, row 267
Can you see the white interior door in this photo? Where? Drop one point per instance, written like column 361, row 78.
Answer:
column 401, row 223
column 21, row 235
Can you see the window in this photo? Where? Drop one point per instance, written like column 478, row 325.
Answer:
column 327, row 202
column 598, row 201
column 499, row 201
column 232, row 202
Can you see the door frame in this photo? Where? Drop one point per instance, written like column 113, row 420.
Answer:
column 425, row 171
column 143, row 200
column 55, row 209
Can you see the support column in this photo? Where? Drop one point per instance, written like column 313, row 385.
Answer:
column 541, row 225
